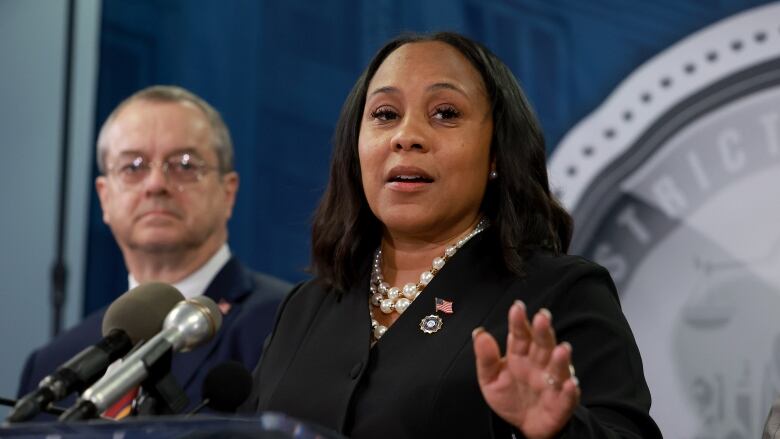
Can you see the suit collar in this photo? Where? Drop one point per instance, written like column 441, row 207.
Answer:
column 232, row 284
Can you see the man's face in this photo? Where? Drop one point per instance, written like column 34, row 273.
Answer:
column 156, row 214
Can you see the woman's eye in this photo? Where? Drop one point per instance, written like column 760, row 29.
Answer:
column 384, row 114
column 446, row 113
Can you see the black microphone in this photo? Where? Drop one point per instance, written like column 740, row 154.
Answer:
column 50, row 409
column 189, row 324
column 134, row 316
column 225, row 388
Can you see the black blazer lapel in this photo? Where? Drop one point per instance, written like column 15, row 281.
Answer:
column 465, row 281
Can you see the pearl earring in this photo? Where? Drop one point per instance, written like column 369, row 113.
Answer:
column 493, row 175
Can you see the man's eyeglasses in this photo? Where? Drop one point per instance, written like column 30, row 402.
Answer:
column 181, row 170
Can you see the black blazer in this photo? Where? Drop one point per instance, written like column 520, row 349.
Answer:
column 318, row 364
column 253, row 298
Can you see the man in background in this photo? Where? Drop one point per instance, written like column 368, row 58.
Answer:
column 167, row 189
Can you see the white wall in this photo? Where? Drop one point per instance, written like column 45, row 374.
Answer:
column 32, row 55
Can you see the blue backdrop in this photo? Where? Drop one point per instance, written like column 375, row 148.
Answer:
column 279, row 70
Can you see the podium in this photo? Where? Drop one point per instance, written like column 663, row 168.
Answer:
column 263, row 426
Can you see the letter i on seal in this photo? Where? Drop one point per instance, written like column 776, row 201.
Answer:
column 433, row 323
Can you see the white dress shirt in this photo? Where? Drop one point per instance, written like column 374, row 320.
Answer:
column 195, row 284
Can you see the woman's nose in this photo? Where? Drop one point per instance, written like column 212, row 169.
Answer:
column 410, row 135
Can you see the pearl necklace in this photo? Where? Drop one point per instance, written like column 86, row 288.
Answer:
column 393, row 299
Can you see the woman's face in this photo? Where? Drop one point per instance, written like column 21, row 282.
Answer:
column 424, row 142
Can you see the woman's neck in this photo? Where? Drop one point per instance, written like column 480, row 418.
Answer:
column 405, row 257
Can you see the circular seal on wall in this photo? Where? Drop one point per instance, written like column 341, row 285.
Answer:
column 671, row 183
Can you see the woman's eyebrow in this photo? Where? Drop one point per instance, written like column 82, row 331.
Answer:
column 446, row 86
column 387, row 89
column 433, row 87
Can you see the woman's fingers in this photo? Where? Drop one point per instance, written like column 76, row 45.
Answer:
column 488, row 356
column 570, row 396
column 570, row 391
column 543, row 338
column 533, row 344
column 559, row 370
column 531, row 387
column 519, row 338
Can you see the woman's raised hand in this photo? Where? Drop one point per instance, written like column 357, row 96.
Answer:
column 533, row 386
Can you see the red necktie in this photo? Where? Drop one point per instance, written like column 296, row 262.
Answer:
column 123, row 407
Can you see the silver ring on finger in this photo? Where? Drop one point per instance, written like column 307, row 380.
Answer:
column 573, row 375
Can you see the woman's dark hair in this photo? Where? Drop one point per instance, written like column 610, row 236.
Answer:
column 518, row 203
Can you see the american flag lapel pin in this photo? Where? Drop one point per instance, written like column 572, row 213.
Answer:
column 224, row 306
column 433, row 323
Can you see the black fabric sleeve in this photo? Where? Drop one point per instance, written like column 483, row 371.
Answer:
column 615, row 399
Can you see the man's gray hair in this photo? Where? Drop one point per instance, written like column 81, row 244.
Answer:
column 171, row 93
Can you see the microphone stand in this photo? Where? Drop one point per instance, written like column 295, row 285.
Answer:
column 162, row 394
column 59, row 269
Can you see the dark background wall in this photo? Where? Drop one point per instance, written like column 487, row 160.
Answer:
column 279, row 71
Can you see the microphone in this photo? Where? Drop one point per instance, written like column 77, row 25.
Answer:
column 189, row 324
column 134, row 316
column 50, row 409
column 225, row 387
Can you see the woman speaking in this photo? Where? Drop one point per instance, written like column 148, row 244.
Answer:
column 443, row 303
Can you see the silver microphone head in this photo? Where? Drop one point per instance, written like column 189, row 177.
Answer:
column 197, row 319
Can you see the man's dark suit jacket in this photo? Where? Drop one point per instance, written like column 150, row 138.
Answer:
column 253, row 300
column 318, row 364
